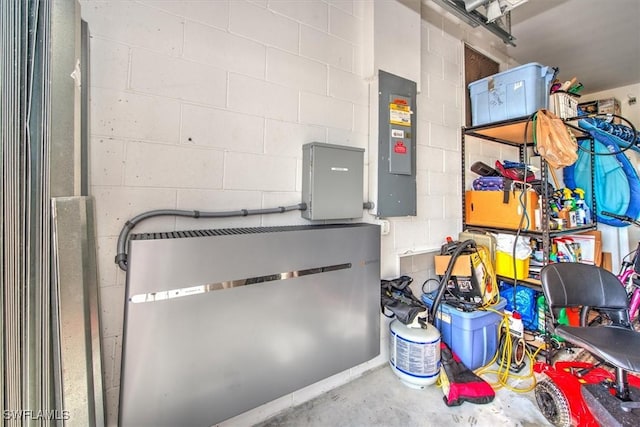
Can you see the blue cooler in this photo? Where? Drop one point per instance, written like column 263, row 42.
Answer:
column 473, row 336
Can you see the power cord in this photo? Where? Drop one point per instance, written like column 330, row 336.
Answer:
column 609, row 117
column 504, row 356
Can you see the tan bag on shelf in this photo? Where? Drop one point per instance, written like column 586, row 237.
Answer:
column 554, row 141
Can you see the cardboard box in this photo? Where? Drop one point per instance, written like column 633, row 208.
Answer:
column 590, row 245
column 607, row 261
column 462, row 267
column 486, row 208
column 609, row 106
column 601, row 106
column 590, row 107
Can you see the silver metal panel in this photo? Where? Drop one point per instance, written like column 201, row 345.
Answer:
column 65, row 85
column 38, row 40
column 332, row 181
column 85, row 133
column 199, row 359
column 76, row 288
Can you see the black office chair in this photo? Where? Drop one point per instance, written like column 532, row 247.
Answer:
column 617, row 344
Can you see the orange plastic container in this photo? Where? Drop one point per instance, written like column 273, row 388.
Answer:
column 573, row 314
column 486, row 208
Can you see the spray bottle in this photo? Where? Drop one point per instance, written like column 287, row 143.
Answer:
column 567, row 199
column 570, row 208
column 516, row 328
column 584, row 213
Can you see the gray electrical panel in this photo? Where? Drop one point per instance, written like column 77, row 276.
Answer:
column 396, row 146
column 332, row 181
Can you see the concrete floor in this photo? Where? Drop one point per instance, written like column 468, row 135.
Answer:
column 378, row 398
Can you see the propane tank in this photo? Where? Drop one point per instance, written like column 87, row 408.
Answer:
column 414, row 353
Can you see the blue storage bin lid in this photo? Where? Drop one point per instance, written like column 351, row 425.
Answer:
column 545, row 71
column 428, row 300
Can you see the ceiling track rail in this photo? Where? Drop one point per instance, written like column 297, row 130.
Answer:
column 476, row 19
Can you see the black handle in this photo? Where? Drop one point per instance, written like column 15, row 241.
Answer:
column 623, row 218
column 616, row 216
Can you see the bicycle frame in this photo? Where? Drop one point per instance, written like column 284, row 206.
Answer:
column 629, row 276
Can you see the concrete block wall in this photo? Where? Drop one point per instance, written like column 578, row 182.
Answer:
column 206, row 105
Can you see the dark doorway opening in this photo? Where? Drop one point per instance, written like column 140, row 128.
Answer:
column 476, row 67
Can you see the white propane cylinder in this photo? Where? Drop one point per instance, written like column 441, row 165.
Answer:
column 414, row 354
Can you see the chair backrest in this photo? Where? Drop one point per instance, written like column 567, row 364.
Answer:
column 572, row 284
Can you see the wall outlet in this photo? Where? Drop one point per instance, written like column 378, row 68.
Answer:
column 385, row 226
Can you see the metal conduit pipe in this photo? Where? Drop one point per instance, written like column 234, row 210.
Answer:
column 121, row 256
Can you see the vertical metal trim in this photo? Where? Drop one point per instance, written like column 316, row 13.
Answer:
column 79, row 326
column 12, row 127
column 4, row 31
column 65, row 85
column 464, row 178
column 91, row 285
column 36, row 108
column 594, row 203
column 84, row 110
column 544, row 215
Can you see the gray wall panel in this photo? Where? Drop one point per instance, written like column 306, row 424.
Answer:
column 200, row 359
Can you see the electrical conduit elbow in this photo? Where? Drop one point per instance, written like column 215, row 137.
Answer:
column 121, row 256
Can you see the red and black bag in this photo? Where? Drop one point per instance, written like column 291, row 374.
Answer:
column 459, row 383
column 515, row 173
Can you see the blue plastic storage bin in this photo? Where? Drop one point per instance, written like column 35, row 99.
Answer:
column 473, row 336
column 517, row 92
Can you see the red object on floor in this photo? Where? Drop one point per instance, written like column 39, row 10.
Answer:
column 569, row 377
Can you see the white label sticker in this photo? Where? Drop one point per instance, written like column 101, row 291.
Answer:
column 445, row 317
column 397, row 133
column 339, row 169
